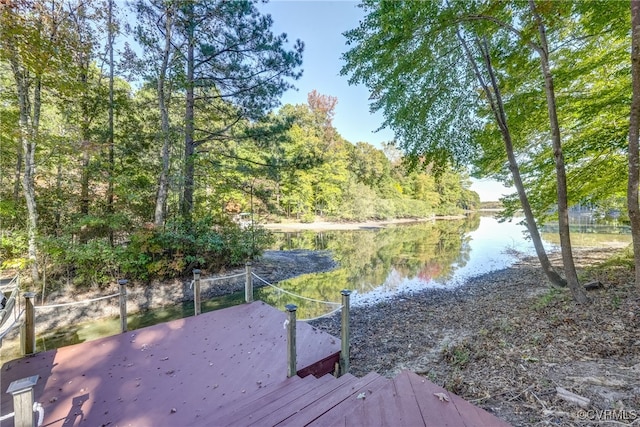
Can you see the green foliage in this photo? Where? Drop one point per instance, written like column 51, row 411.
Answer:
column 155, row 253
column 548, row 298
column 457, row 355
column 13, row 246
column 94, row 263
column 176, row 250
column 93, row 214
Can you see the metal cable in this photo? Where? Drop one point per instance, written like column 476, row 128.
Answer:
column 38, row 307
column 295, row 295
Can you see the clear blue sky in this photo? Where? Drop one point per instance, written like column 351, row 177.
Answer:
column 320, row 25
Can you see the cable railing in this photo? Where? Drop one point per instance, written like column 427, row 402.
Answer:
column 72, row 303
column 8, row 305
column 302, row 297
column 26, row 320
column 27, row 315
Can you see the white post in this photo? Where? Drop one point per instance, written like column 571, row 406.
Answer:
column 22, row 391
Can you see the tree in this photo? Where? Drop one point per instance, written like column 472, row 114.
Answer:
column 542, row 48
column 155, row 32
column 493, row 96
column 439, row 127
column 634, row 135
column 32, row 41
column 231, row 58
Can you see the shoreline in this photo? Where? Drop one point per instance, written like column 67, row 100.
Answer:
column 362, row 225
column 504, row 340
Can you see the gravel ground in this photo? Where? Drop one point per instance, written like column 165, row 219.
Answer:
column 506, row 342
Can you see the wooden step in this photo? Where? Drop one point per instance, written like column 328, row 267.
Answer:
column 410, row 400
column 239, row 409
column 436, row 412
column 270, row 415
column 348, row 394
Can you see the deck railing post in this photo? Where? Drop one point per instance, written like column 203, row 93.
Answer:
column 197, row 305
column 248, row 284
column 22, row 392
column 291, row 340
column 29, row 326
column 345, row 335
column 123, row 304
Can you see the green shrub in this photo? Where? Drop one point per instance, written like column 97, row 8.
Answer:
column 157, row 253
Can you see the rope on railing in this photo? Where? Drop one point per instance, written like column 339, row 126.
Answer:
column 331, row 313
column 39, row 307
column 295, row 295
column 215, row 279
column 15, row 323
column 8, row 285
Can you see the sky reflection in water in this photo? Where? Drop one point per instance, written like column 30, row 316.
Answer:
column 379, row 264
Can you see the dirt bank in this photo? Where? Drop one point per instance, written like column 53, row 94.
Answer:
column 506, row 342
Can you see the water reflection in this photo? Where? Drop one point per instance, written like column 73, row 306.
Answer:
column 383, row 262
column 380, row 263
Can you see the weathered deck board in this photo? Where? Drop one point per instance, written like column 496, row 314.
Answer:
column 438, row 413
column 247, row 411
column 168, row 374
column 331, row 402
column 336, row 415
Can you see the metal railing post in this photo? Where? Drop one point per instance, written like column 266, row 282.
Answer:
column 291, row 340
column 29, row 328
column 197, row 305
column 22, row 392
column 123, row 304
column 248, row 284
column 345, row 335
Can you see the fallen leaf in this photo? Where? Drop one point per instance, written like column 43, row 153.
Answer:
column 442, row 397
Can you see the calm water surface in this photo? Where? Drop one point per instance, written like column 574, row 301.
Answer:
column 378, row 264
column 375, row 264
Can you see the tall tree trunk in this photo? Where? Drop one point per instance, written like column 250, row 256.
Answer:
column 571, row 275
column 634, row 134
column 497, row 106
column 29, row 121
column 163, row 182
column 111, row 160
column 84, row 144
column 58, row 212
column 189, row 145
column 18, row 176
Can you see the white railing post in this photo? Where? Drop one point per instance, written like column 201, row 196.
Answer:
column 22, row 392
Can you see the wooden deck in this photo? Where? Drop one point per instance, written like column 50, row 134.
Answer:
column 226, row 368
column 170, row 373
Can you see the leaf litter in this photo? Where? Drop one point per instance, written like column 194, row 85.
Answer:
column 507, row 342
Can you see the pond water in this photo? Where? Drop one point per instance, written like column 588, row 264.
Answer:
column 377, row 264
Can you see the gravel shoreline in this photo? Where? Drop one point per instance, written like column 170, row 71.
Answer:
column 505, row 341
